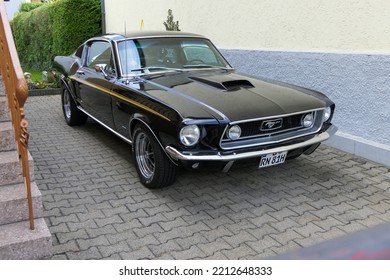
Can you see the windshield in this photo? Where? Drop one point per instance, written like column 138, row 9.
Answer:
column 168, row 54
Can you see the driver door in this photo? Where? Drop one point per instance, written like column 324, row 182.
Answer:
column 95, row 80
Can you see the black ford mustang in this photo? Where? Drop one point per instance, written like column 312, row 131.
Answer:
column 176, row 99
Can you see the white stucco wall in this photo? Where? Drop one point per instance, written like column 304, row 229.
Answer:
column 304, row 25
column 12, row 7
column 339, row 47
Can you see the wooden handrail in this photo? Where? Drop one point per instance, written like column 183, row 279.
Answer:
column 17, row 92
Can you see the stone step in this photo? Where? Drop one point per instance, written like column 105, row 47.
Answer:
column 11, row 170
column 18, row 242
column 7, row 138
column 14, row 206
column 4, row 110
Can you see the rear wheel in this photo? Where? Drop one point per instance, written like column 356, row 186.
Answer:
column 73, row 116
column 153, row 166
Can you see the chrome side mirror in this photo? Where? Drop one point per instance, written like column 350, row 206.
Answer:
column 99, row 68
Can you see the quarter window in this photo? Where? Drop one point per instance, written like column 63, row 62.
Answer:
column 79, row 51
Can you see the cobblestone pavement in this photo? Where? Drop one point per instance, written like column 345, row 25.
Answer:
column 96, row 208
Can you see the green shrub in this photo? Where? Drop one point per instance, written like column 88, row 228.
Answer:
column 52, row 29
column 74, row 22
column 32, row 38
column 27, row 7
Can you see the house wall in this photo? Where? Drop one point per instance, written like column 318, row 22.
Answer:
column 12, row 7
column 341, row 48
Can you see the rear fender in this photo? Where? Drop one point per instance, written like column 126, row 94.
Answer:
column 67, row 65
column 66, row 86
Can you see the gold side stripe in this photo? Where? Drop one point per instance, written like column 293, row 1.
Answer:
column 113, row 93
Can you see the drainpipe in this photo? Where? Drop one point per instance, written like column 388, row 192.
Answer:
column 103, row 8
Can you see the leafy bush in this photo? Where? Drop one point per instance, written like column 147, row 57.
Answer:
column 52, row 29
column 26, row 7
column 74, row 22
column 32, row 38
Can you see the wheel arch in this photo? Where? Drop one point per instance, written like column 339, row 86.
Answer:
column 64, row 83
column 141, row 119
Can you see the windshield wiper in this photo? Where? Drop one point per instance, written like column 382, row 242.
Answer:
column 203, row 66
column 147, row 70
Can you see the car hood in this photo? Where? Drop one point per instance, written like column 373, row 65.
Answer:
column 229, row 96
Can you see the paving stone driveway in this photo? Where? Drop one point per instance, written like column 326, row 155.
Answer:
column 96, row 207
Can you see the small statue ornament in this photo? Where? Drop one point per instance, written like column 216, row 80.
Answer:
column 170, row 25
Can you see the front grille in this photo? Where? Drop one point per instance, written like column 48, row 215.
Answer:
column 253, row 129
column 272, row 130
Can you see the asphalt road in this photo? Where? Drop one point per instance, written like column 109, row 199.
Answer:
column 96, row 208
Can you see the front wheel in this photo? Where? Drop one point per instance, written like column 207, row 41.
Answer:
column 153, row 166
column 73, row 116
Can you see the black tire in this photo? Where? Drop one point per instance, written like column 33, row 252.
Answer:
column 154, row 168
column 73, row 116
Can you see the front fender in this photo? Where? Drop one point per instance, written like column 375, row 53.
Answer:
column 139, row 118
column 136, row 118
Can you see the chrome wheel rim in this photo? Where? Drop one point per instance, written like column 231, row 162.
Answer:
column 66, row 105
column 144, row 155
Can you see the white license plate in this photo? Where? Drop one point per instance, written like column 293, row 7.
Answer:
column 272, row 159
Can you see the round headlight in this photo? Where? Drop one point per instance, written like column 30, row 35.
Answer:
column 189, row 135
column 234, row 132
column 327, row 114
column 308, row 120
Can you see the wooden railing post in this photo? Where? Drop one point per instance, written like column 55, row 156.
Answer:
column 17, row 93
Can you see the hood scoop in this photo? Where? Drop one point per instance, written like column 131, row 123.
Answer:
column 228, row 85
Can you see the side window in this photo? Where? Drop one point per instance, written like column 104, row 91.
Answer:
column 79, row 51
column 100, row 54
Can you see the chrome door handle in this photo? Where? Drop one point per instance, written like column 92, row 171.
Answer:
column 80, row 72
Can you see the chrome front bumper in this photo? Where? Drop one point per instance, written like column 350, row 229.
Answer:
column 176, row 155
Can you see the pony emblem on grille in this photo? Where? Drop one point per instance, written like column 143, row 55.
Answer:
column 268, row 125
